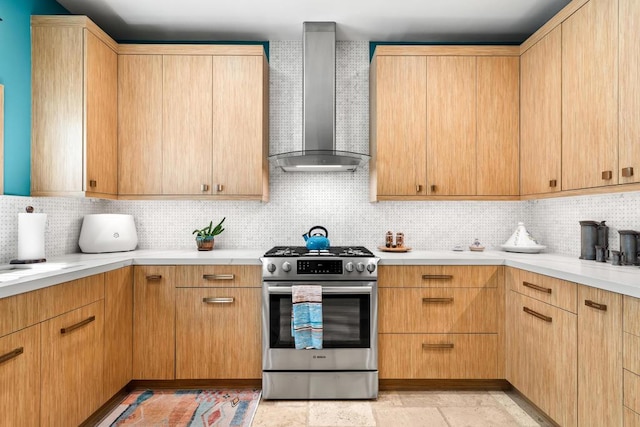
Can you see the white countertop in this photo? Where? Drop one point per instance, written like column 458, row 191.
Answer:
column 621, row 279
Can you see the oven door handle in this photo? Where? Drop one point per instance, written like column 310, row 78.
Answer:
column 329, row 290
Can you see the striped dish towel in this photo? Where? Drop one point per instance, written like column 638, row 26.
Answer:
column 306, row 316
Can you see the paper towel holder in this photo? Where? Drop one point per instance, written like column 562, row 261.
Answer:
column 29, row 209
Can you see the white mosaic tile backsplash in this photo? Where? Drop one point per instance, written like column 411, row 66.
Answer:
column 338, row 201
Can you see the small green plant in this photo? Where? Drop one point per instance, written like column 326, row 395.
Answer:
column 209, row 231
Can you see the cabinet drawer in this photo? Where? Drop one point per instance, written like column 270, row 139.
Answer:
column 20, row 378
column 631, row 317
column 632, row 391
column 19, row 311
column 556, row 292
column 542, row 356
column 631, row 347
column 440, row 276
column 218, row 333
column 447, row 356
column 631, row 419
column 218, row 276
column 440, row 310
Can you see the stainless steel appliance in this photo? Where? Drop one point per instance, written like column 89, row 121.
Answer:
column 347, row 365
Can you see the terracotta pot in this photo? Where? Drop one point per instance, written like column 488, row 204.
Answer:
column 205, row 244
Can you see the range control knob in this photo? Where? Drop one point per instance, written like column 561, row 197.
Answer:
column 271, row 267
column 286, row 267
column 349, row 267
column 360, row 267
column 371, row 267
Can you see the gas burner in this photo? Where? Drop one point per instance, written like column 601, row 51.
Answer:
column 334, row 251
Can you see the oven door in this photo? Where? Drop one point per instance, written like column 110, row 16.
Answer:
column 349, row 318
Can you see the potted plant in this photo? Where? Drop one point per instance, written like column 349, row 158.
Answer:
column 205, row 237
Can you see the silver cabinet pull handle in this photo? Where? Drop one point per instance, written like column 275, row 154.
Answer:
column 212, row 300
column 153, row 277
column 218, row 276
column 437, row 277
column 12, row 354
column 432, row 346
column 595, row 305
column 536, row 314
column 537, row 287
column 437, row 300
column 77, row 325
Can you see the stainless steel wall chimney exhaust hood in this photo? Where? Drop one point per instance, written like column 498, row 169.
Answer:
column 319, row 152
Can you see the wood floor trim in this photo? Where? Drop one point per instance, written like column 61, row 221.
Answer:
column 439, row 384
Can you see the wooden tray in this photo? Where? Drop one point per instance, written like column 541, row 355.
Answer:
column 402, row 249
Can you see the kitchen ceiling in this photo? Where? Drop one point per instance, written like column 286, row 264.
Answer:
column 474, row 21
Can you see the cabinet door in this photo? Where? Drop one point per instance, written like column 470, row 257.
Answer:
column 590, row 96
column 186, row 124
column 629, row 143
column 154, row 323
column 541, row 115
column 139, row 124
column 238, row 134
column 118, row 330
column 101, row 99
column 599, row 357
column 498, row 125
column 218, row 333
column 400, row 125
column 451, row 125
column 542, row 356
column 56, row 109
column 20, row 378
column 72, row 371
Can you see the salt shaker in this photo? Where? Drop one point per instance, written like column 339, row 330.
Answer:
column 399, row 240
column 388, row 240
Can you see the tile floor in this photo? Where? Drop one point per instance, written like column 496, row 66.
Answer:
column 405, row 409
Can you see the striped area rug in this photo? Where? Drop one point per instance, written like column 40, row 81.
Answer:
column 186, row 408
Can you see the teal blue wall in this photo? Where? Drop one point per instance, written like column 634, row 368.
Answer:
column 15, row 75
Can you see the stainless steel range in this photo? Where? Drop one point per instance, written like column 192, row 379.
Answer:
column 346, row 367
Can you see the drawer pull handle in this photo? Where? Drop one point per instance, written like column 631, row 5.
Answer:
column 536, row 314
column 437, row 277
column 93, row 183
column 436, row 346
column 77, row 325
column 536, row 287
column 553, row 183
column 204, row 187
column 12, row 354
column 627, row 172
column 418, row 188
column 595, row 305
column 218, row 276
column 154, row 277
column 437, row 300
column 607, row 175
column 212, row 300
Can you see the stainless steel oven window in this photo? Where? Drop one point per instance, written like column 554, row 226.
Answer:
column 346, row 321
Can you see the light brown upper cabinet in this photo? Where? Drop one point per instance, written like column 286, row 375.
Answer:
column 629, row 142
column 444, row 122
column 74, row 108
column 540, row 115
column 590, row 96
column 196, row 118
column 498, row 125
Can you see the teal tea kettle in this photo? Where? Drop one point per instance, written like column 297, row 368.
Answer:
column 316, row 241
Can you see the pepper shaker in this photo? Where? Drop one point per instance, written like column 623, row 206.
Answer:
column 388, row 240
column 399, row 240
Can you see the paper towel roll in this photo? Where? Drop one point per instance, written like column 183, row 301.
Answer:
column 31, row 235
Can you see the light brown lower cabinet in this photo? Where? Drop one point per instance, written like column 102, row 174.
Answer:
column 72, row 366
column 599, row 358
column 20, row 378
column 631, row 418
column 154, row 316
column 218, row 333
column 438, row 356
column 118, row 330
column 542, row 355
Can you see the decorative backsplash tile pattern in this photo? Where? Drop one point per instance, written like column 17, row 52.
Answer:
column 338, row 201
